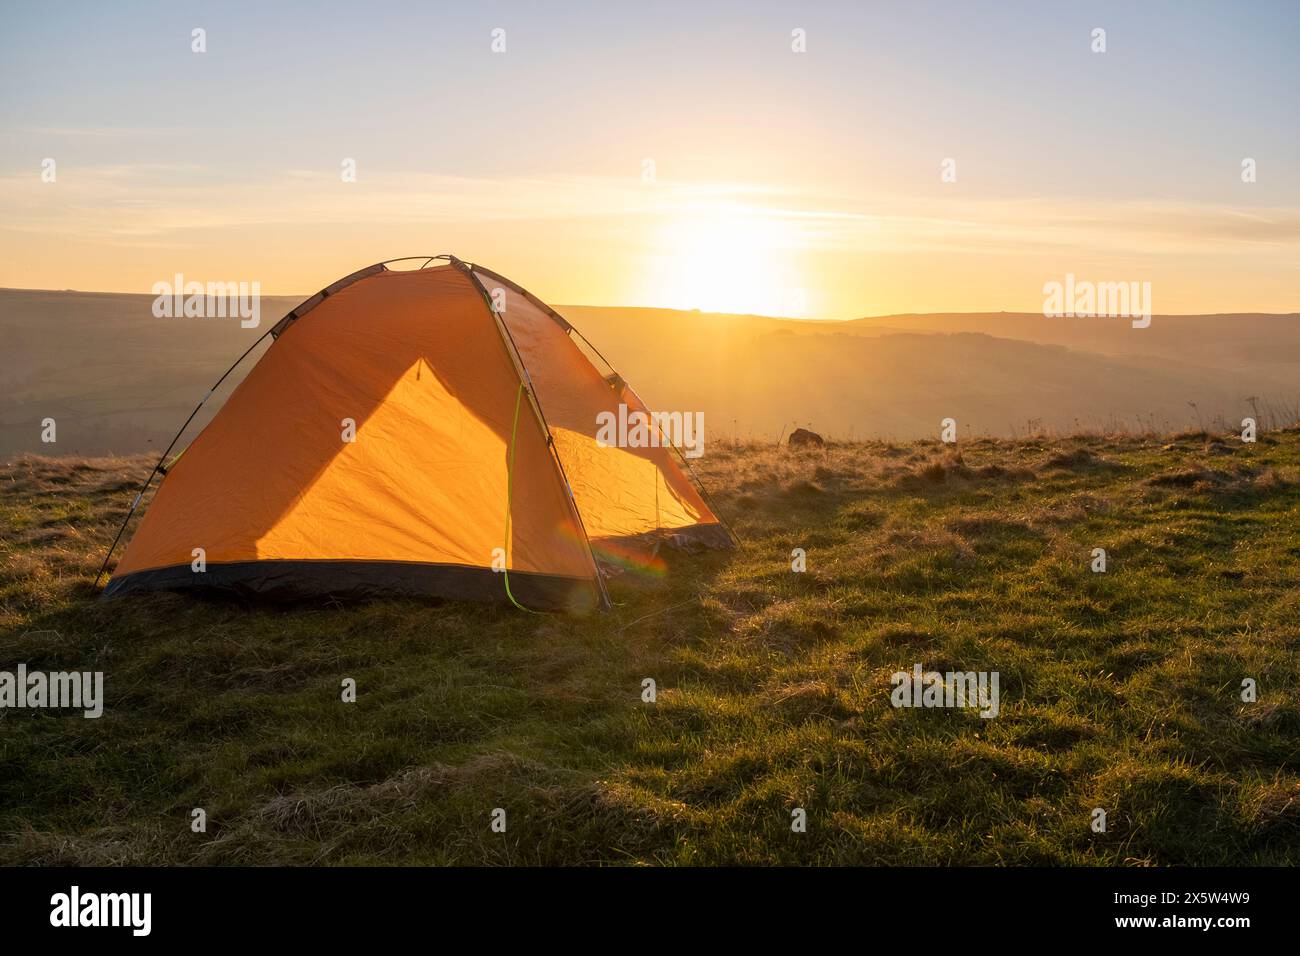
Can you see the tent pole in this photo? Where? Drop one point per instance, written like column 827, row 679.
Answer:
column 704, row 492
column 274, row 331
column 156, row 468
column 526, row 383
column 571, row 328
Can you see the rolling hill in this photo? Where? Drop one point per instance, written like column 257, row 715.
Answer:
column 118, row 380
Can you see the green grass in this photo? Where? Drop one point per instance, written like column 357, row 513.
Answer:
column 1119, row 690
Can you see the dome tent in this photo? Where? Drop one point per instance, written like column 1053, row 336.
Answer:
column 471, row 467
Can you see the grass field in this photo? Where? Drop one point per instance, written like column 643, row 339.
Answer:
column 1119, row 690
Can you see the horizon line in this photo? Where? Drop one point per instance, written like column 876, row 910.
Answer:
column 302, row 297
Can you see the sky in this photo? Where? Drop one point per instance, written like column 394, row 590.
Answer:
column 678, row 155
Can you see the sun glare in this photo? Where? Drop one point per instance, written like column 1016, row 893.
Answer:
column 737, row 259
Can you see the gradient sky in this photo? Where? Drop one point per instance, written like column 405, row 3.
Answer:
column 790, row 184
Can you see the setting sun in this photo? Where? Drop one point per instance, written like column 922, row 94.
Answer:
column 725, row 258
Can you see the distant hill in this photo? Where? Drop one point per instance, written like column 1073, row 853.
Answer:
column 118, row 380
column 999, row 373
column 114, row 378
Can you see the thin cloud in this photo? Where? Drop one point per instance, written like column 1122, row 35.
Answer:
column 162, row 201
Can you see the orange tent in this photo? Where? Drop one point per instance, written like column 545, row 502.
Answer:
column 428, row 431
